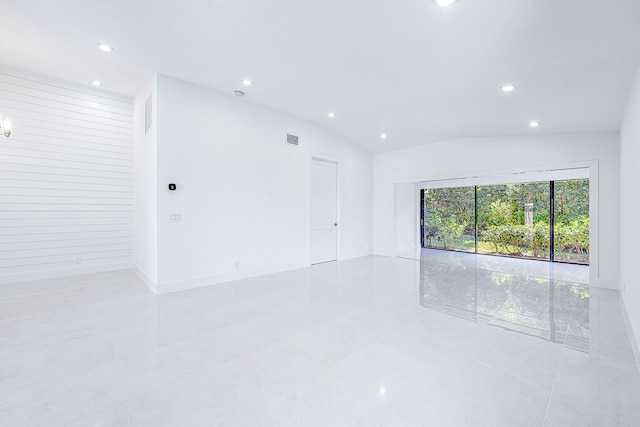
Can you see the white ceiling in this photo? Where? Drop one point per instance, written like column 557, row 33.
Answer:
column 419, row 73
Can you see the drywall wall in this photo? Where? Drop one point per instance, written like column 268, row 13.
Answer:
column 407, row 208
column 242, row 193
column 470, row 157
column 65, row 179
column 145, row 188
column 630, row 207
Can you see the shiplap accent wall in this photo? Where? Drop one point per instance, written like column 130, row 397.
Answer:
column 66, row 177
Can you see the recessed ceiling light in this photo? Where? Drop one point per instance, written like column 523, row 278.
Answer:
column 444, row 3
column 383, row 136
column 247, row 82
column 331, row 114
column 96, row 83
column 105, row 47
column 238, row 93
column 508, row 88
column 534, row 124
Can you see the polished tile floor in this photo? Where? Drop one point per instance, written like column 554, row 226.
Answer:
column 440, row 340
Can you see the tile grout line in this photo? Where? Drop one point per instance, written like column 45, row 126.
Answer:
column 555, row 376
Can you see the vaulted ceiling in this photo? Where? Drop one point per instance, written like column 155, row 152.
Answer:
column 417, row 72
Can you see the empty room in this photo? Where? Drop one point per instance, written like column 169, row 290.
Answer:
column 304, row 213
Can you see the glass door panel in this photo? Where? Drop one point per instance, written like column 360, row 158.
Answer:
column 513, row 220
column 571, row 221
column 449, row 219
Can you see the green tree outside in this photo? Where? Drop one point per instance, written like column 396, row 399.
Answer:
column 503, row 228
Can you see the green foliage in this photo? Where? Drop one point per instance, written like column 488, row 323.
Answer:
column 539, row 239
column 451, row 230
column 573, row 239
column 570, row 197
column 508, row 238
column 449, row 212
column 493, row 235
column 515, row 239
column 515, row 196
column 500, row 214
column 449, row 221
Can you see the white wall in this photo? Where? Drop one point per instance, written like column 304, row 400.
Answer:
column 630, row 207
column 407, row 215
column 145, row 221
column 65, row 179
column 489, row 156
column 242, row 193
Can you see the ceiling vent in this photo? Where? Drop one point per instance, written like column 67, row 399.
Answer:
column 293, row 140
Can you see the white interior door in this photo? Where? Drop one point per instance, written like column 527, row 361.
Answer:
column 324, row 212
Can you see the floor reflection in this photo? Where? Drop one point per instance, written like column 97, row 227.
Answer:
column 554, row 310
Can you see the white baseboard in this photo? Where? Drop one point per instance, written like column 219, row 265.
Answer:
column 197, row 282
column 391, row 254
column 151, row 284
column 62, row 272
column 635, row 340
column 352, row 255
column 604, row 283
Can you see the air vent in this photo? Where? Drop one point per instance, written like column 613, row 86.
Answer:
column 292, row 140
column 147, row 115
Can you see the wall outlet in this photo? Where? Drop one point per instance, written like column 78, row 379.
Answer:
column 237, row 265
column 175, row 217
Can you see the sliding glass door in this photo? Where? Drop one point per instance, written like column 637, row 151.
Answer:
column 513, row 220
column 516, row 220
column 571, row 221
column 449, row 219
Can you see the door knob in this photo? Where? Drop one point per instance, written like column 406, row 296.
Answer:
column 335, row 224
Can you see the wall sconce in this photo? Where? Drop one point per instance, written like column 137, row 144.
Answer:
column 5, row 127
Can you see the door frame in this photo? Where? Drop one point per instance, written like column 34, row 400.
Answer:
column 321, row 158
column 475, row 177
